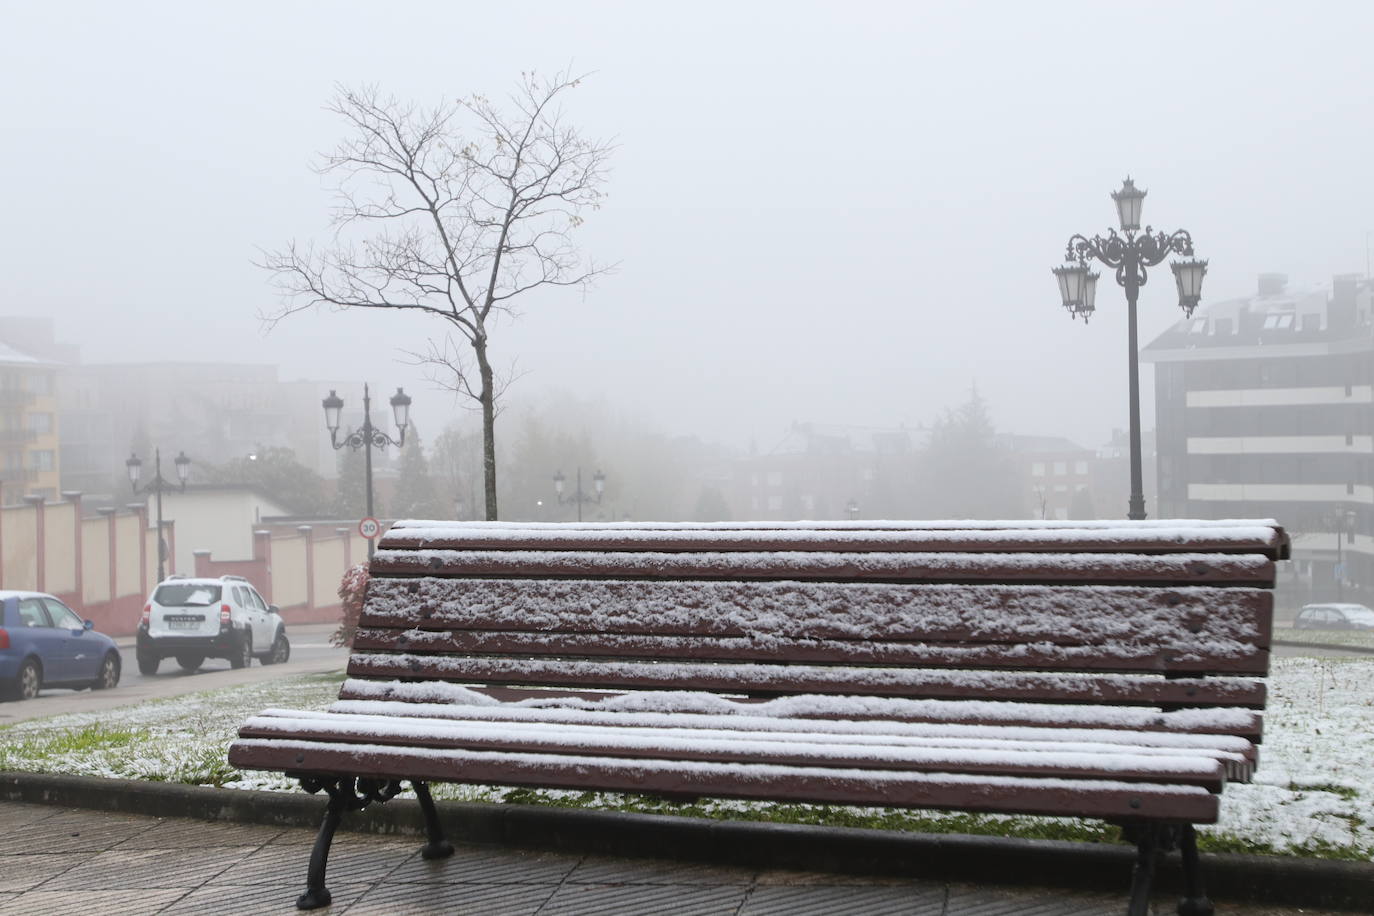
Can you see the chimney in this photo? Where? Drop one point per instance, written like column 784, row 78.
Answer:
column 1272, row 284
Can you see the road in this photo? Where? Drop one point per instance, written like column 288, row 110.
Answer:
column 311, row 653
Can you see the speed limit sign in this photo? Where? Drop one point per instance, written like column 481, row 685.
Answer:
column 369, row 527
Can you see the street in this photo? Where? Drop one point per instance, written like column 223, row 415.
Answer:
column 311, row 653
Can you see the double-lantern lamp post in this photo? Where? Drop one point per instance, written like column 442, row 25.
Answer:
column 156, row 486
column 1130, row 253
column 577, row 496
column 367, row 437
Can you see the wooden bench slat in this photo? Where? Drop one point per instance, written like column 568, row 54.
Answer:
column 1139, row 728
column 1120, row 539
column 1225, row 658
column 1101, row 763
column 1223, row 720
column 1015, row 795
column 809, row 679
column 1014, row 568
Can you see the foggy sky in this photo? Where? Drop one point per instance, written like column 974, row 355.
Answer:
column 828, row 212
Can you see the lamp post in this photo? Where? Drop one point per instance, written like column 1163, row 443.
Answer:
column 156, row 486
column 1129, row 253
column 852, row 507
column 1344, row 523
column 598, row 481
column 367, row 437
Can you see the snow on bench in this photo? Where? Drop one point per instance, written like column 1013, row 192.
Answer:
column 1098, row 669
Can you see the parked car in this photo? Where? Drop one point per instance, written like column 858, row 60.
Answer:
column 44, row 643
column 192, row 619
column 1334, row 617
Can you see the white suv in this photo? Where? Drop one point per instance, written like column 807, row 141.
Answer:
column 192, row 619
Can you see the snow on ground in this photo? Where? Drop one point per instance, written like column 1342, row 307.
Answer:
column 1312, row 794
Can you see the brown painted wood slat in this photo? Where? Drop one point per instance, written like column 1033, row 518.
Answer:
column 1122, row 657
column 797, row 679
column 1200, row 623
column 1195, row 770
column 1083, row 798
column 1267, row 541
column 1238, row 722
column 1013, row 568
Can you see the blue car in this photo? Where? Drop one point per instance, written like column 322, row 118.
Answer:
column 43, row 643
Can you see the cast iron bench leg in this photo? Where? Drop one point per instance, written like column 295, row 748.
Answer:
column 437, row 847
column 316, row 894
column 1194, row 902
column 1147, row 837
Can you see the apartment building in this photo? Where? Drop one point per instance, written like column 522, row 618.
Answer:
column 1265, row 408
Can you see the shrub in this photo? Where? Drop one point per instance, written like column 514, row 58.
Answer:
column 352, row 591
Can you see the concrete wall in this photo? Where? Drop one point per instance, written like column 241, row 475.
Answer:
column 299, row 571
column 220, row 520
column 102, row 566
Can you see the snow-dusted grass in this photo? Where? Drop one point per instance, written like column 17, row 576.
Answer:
column 1361, row 639
column 1313, row 794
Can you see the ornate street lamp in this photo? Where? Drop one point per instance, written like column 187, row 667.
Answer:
column 367, row 437
column 1129, row 253
column 577, row 496
column 156, row 486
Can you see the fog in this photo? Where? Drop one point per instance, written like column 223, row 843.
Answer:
column 824, row 212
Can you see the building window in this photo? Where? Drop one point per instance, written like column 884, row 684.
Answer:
column 1080, row 467
column 1038, row 469
column 40, row 423
column 775, row 478
column 774, row 503
column 44, row 459
column 1278, row 322
column 39, row 382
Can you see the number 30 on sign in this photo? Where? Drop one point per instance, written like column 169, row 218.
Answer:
column 369, row 528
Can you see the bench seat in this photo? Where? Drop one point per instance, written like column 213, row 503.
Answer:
column 1103, row 670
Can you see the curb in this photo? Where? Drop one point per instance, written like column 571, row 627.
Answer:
column 841, row 850
column 1303, row 644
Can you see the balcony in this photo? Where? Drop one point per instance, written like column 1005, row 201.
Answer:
column 15, row 397
column 17, row 436
column 18, row 475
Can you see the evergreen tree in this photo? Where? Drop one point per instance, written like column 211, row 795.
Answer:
column 415, row 495
column 350, row 499
column 964, row 472
column 277, row 473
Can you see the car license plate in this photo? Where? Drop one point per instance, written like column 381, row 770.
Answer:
column 182, row 624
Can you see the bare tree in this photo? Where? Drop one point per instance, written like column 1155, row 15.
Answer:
column 453, row 211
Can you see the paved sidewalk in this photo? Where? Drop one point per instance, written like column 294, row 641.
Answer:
column 64, row 861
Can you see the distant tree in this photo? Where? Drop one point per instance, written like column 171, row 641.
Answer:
column 276, row 473
column 1081, row 506
column 711, row 506
column 415, row 496
column 963, row 472
column 470, row 205
column 455, row 464
column 350, row 499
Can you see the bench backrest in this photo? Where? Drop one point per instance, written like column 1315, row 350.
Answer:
column 1169, row 615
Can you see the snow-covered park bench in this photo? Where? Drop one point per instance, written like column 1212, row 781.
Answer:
column 1108, row 670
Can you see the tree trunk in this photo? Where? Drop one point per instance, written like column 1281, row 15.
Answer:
column 488, row 399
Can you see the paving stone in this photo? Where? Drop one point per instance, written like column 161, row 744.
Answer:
column 487, row 865
column 77, row 831
column 780, row 876
column 604, row 870
column 16, row 814
column 104, row 902
column 285, row 865
column 259, row 899
column 639, row 899
column 174, row 833
column 147, row 868
column 23, row 872
column 390, row 899
column 971, row 900
column 824, row 900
